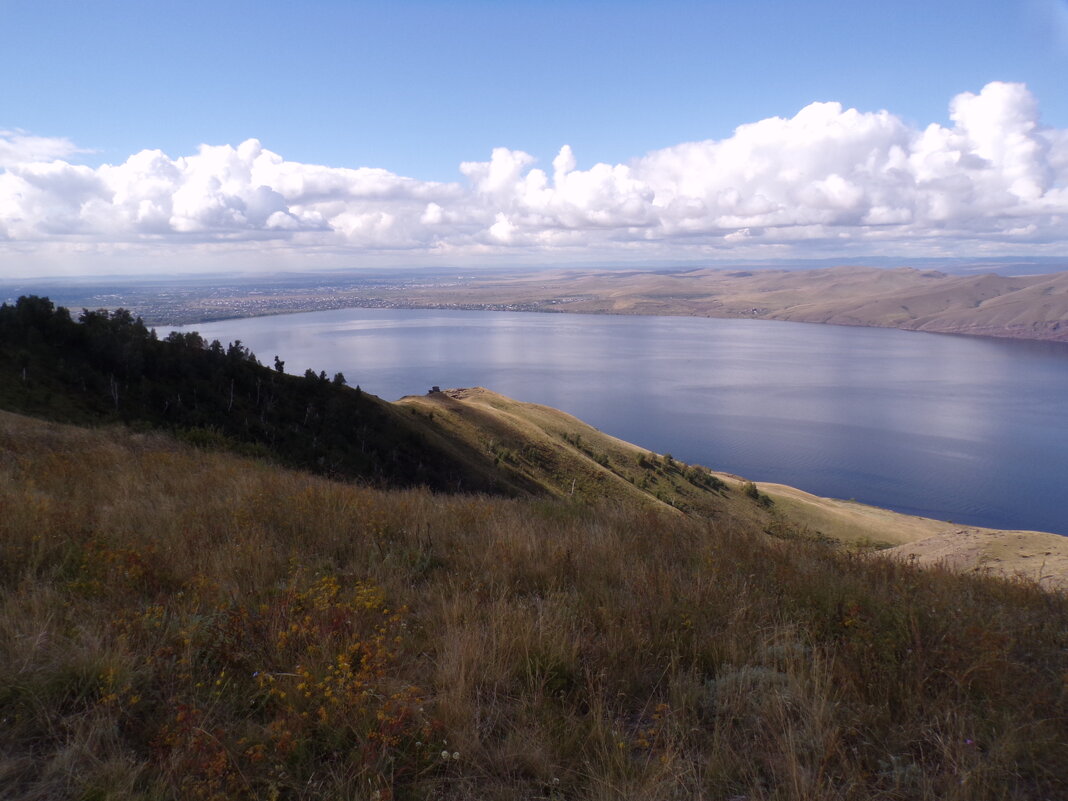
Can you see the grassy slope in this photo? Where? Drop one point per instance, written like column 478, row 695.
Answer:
column 1036, row 555
column 177, row 623
column 563, row 457
column 549, row 452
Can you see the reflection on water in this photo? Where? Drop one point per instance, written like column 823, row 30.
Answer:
column 963, row 428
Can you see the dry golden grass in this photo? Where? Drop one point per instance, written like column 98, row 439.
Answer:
column 560, row 456
column 1036, row 555
column 181, row 624
column 547, row 451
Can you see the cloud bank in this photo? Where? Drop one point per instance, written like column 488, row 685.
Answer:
column 828, row 180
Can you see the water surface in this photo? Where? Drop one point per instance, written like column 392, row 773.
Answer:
column 967, row 429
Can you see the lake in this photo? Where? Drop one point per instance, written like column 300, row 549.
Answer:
column 958, row 428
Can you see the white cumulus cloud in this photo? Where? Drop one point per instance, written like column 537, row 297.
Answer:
column 828, row 177
column 18, row 146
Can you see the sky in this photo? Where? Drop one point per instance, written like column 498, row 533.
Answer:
column 189, row 136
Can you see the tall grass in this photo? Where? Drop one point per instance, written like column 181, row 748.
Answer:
column 181, row 624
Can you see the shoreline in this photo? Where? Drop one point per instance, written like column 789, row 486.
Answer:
column 1039, row 556
column 1001, row 333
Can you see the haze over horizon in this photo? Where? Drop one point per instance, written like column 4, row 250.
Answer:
column 189, row 138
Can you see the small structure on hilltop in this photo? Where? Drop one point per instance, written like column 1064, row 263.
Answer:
column 432, row 390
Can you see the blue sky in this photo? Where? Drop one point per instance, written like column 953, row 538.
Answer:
column 414, row 89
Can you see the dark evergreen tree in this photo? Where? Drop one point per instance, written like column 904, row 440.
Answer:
column 109, row 367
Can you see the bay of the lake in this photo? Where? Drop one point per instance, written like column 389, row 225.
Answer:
column 968, row 429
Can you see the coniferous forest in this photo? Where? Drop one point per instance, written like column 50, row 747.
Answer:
column 109, row 367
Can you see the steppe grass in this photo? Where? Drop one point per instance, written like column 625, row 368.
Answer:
column 180, row 624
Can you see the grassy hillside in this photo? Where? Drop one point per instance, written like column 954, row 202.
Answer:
column 560, row 456
column 179, row 624
column 551, row 453
column 1035, row 555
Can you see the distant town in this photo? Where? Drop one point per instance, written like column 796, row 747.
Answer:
column 196, row 300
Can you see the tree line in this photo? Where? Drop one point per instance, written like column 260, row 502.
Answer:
column 108, row 366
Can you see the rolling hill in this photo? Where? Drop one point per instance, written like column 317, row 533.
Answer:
column 1027, row 307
